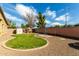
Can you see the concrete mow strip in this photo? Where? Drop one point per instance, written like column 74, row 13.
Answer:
column 4, row 45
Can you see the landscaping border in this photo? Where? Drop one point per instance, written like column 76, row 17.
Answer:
column 3, row 45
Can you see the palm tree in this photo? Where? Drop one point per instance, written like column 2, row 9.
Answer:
column 41, row 20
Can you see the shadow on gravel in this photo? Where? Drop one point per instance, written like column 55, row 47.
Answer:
column 74, row 45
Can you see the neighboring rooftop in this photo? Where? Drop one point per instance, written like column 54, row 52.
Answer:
column 1, row 11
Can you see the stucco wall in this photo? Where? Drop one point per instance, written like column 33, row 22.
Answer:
column 3, row 25
column 72, row 32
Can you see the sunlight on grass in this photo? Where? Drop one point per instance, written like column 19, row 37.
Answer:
column 26, row 41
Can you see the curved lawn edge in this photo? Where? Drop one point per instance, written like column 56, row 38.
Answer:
column 4, row 45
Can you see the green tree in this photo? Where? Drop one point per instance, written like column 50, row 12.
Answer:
column 13, row 25
column 22, row 26
column 76, row 25
column 41, row 20
column 27, row 25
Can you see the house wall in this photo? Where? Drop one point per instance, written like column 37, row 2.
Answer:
column 3, row 25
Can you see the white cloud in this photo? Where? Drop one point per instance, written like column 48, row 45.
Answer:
column 50, row 13
column 22, row 9
column 63, row 17
column 48, row 8
column 34, row 11
column 48, row 22
column 56, row 23
column 26, row 10
column 13, row 18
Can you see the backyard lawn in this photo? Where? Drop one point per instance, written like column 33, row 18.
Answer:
column 25, row 41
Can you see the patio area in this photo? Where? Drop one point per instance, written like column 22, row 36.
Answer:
column 57, row 46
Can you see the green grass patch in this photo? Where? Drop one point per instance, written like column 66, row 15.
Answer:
column 26, row 41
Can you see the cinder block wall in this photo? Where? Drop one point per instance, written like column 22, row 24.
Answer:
column 65, row 32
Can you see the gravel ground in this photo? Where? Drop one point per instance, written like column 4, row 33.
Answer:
column 58, row 46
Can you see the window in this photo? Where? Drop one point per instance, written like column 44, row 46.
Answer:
column 0, row 19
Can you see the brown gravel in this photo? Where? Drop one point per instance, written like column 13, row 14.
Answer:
column 58, row 46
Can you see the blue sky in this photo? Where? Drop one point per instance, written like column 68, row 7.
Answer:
column 55, row 12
